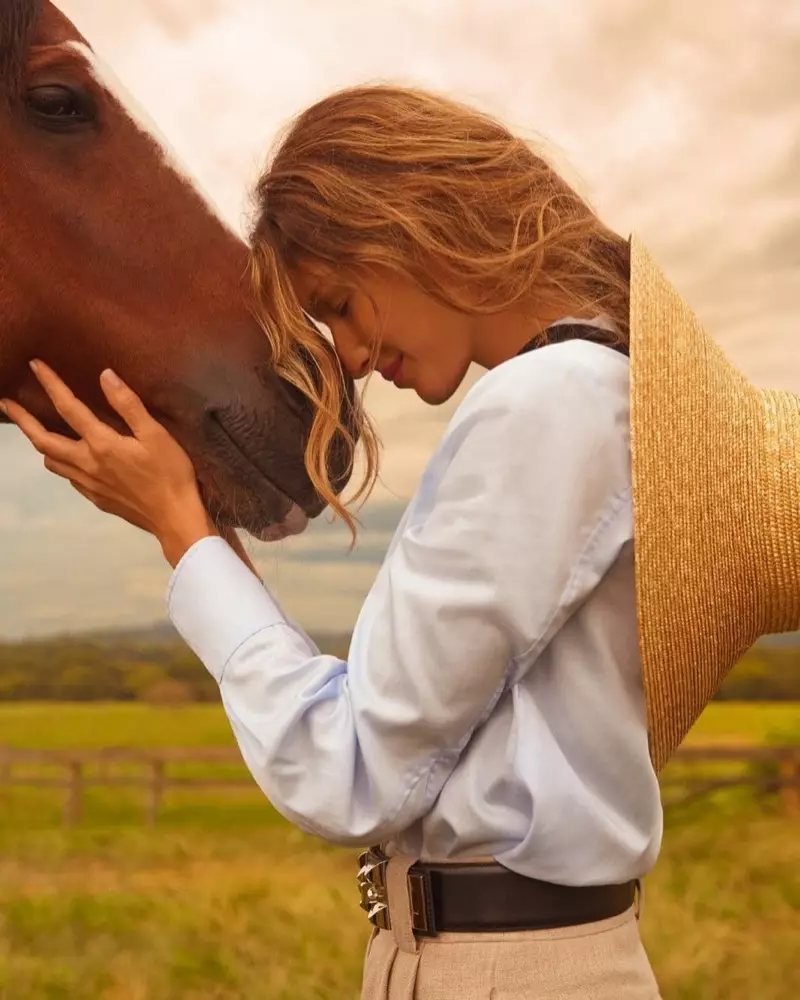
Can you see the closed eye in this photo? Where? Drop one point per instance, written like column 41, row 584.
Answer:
column 342, row 309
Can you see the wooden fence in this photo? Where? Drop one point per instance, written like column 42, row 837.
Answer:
column 695, row 771
column 148, row 770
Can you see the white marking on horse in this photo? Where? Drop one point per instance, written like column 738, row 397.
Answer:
column 108, row 79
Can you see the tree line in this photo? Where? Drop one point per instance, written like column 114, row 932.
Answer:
column 108, row 668
column 131, row 669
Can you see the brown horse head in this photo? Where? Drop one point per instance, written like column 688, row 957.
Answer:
column 110, row 256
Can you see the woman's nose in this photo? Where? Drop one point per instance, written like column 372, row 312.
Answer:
column 354, row 355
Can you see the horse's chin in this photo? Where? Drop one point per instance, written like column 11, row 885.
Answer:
column 295, row 523
column 251, row 484
column 249, row 501
column 237, row 492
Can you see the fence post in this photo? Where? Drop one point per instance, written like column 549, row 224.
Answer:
column 156, row 790
column 5, row 780
column 790, row 783
column 73, row 801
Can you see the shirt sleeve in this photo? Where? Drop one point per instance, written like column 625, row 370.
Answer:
column 528, row 506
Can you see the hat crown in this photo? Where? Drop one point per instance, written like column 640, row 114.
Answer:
column 716, row 484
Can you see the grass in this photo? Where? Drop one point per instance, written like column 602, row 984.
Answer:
column 96, row 725
column 747, row 722
column 722, row 906
column 93, row 725
column 176, row 916
column 223, row 900
column 269, row 914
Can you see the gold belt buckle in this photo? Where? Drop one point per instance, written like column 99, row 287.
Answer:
column 373, row 889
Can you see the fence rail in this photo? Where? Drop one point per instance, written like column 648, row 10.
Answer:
column 83, row 769
column 695, row 771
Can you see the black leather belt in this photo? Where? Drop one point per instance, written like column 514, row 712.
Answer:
column 476, row 896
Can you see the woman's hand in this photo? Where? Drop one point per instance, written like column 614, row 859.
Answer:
column 146, row 478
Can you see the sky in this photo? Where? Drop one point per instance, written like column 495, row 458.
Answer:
column 678, row 120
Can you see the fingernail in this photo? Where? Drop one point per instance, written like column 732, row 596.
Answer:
column 110, row 378
column 34, row 365
column 3, row 407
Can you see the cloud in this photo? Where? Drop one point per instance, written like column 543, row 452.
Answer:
column 679, row 120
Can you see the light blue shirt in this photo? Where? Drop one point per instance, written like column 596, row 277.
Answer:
column 491, row 702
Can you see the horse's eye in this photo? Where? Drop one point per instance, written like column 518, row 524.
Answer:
column 58, row 107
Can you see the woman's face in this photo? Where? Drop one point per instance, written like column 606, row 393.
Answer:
column 421, row 344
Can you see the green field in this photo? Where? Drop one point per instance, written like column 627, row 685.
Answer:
column 49, row 725
column 223, row 900
column 743, row 722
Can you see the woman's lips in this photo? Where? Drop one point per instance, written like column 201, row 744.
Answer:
column 391, row 372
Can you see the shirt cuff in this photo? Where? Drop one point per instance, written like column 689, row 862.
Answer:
column 216, row 603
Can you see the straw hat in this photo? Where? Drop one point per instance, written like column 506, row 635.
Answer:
column 716, row 496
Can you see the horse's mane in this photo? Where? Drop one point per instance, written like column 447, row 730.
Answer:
column 18, row 18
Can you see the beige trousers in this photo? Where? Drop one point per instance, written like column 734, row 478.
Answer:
column 598, row 961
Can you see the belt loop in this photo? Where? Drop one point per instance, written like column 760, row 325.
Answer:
column 638, row 901
column 400, row 902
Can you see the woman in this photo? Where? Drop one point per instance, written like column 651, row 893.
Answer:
column 494, row 728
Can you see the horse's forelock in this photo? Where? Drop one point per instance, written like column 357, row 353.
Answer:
column 18, row 19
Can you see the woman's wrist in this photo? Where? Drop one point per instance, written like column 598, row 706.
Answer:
column 191, row 523
column 180, row 532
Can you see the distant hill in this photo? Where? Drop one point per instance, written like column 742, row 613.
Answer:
column 161, row 633
column 155, row 634
column 164, row 632
column 153, row 664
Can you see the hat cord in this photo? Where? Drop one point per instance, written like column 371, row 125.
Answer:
column 560, row 332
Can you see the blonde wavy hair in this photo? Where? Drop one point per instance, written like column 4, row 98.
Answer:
column 404, row 179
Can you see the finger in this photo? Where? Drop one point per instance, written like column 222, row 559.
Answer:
column 127, row 404
column 44, row 441
column 77, row 414
column 74, row 474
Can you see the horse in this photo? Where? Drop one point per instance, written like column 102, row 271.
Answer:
column 112, row 256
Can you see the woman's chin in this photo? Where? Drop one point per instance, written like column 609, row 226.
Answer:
column 433, row 396
column 434, row 393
